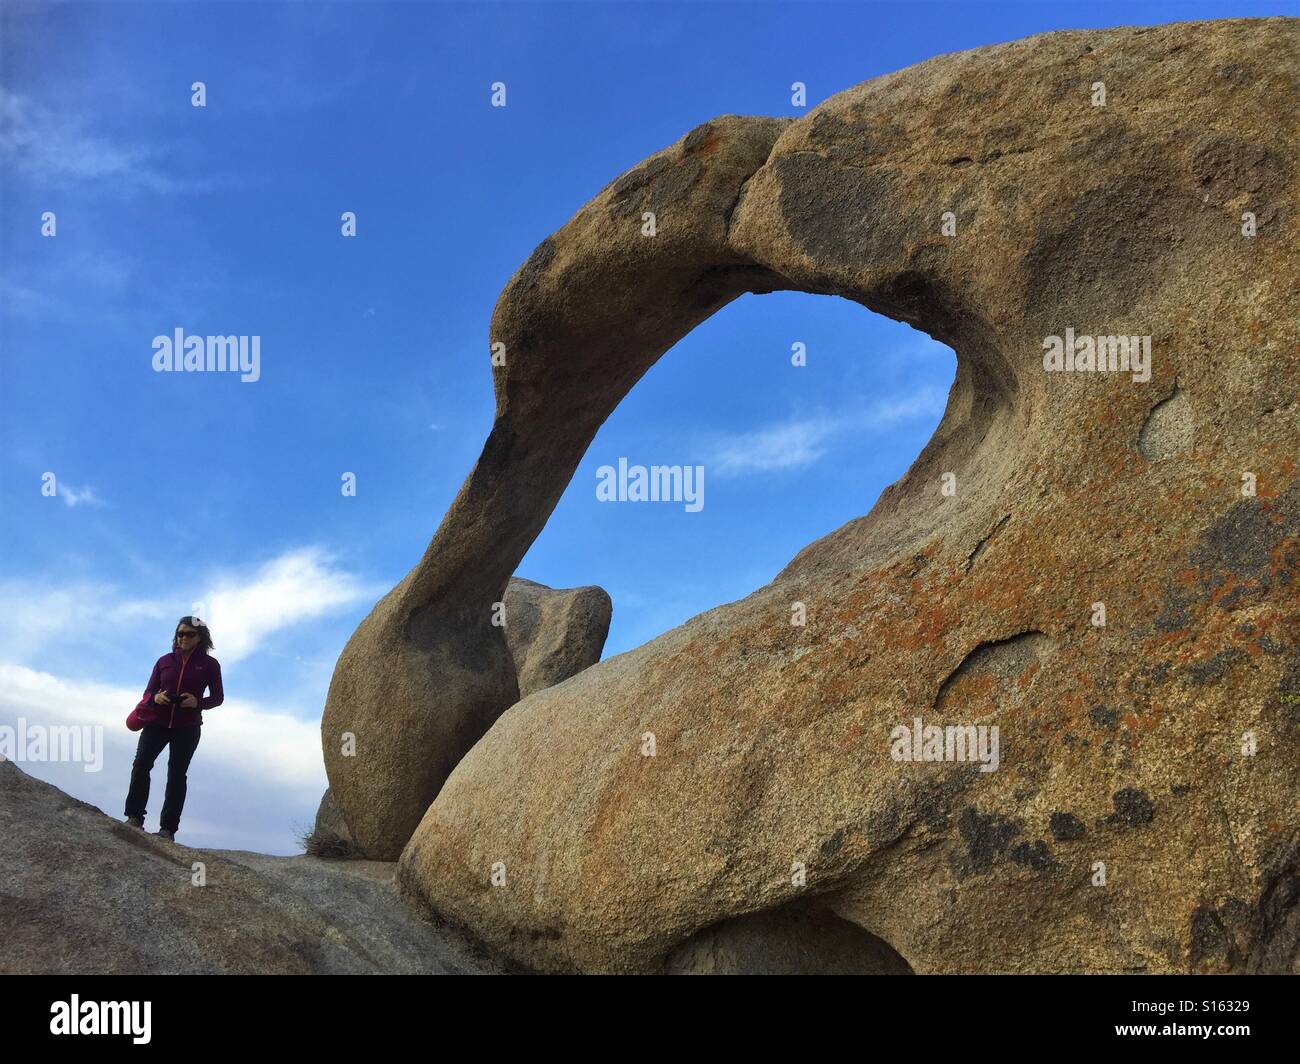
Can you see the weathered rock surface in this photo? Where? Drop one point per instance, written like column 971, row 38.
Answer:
column 551, row 634
column 1121, row 745
column 554, row 634
column 81, row 893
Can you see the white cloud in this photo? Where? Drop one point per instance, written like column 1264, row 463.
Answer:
column 801, row 441
column 784, row 446
column 33, row 617
column 21, row 300
column 76, row 497
column 53, row 148
column 294, row 588
column 290, row 590
column 925, row 402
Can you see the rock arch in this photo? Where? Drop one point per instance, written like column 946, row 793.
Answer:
column 1069, row 216
column 593, row 308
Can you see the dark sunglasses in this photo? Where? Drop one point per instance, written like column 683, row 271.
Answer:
column 185, row 635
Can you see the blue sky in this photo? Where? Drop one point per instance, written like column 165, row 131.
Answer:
column 175, row 489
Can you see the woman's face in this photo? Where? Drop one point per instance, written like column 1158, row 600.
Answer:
column 187, row 637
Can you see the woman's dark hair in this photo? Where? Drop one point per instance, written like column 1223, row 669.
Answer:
column 205, row 637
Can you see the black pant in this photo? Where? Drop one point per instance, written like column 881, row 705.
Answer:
column 153, row 737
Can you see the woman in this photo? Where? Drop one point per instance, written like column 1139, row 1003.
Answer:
column 176, row 690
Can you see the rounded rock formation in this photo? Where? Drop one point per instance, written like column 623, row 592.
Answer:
column 1119, row 601
column 551, row 634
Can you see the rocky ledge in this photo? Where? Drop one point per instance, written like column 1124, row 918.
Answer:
column 83, row 894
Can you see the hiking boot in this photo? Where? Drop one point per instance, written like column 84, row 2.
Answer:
column 164, row 833
column 136, row 822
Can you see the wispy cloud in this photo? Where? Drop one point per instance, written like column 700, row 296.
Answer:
column 32, row 617
column 886, row 413
column 788, row 445
column 53, row 148
column 23, row 300
column 79, row 496
column 800, row 441
column 244, row 609
column 290, row 590
column 40, row 291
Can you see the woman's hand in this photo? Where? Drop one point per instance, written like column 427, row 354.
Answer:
column 161, row 698
column 188, row 701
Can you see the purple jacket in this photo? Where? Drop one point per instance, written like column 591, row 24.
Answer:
column 173, row 674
